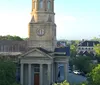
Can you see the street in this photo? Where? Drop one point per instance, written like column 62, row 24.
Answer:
column 72, row 78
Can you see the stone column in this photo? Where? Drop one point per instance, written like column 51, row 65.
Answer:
column 29, row 74
column 52, row 72
column 21, row 74
column 41, row 74
column 37, row 5
column 56, row 71
column 44, row 5
column 52, row 5
column 49, row 74
column 65, row 71
column 32, row 5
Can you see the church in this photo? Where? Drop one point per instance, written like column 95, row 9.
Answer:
column 39, row 57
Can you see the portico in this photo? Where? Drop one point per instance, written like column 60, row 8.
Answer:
column 39, row 68
column 38, row 77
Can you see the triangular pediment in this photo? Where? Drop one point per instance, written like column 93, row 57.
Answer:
column 36, row 53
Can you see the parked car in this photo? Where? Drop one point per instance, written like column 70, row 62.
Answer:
column 77, row 72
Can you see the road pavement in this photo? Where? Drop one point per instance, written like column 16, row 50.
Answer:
column 72, row 78
column 75, row 79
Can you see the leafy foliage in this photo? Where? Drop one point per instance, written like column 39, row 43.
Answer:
column 9, row 37
column 94, row 76
column 62, row 83
column 83, row 83
column 97, row 49
column 96, row 39
column 73, row 51
column 7, row 73
column 83, row 63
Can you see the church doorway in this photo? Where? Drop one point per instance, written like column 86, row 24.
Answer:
column 36, row 74
column 36, row 79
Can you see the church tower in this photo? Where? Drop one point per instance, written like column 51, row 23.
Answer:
column 40, row 64
column 42, row 27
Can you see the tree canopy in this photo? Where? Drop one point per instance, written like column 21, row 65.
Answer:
column 9, row 37
column 62, row 83
column 73, row 51
column 94, row 76
column 96, row 39
column 97, row 49
column 7, row 73
column 83, row 63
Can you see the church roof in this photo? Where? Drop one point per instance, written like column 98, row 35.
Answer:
column 44, row 50
column 41, row 49
column 88, row 43
column 64, row 51
column 10, row 42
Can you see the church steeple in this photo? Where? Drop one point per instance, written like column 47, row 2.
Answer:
column 41, row 7
column 42, row 28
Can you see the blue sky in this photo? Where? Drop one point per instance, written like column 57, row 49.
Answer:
column 75, row 19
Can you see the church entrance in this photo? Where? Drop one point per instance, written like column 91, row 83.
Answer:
column 36, row 79
column 36, row 74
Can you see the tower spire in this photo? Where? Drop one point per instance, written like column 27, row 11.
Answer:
column 40, row 28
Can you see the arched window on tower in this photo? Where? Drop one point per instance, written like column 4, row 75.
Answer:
column 40, row 4
column 49, row 5
column 34, row 4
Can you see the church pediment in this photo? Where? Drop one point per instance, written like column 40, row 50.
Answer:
column 35, row 53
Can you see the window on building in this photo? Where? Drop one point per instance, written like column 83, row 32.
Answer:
column 49, row 5
column 36, row 68
column 41, row 4
column 34, row 5
column 82, row 48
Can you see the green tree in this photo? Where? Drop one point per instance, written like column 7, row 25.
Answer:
column 83, row 63
column 94, row 76
column 62, row 83
column 83, row 83
column 9, row 37
column 7, row 73
column 97, row 51
column 96, row 39
column 73, row 51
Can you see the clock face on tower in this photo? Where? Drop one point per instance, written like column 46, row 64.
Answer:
column 40, row 32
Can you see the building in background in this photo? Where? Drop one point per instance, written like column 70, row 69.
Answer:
column 85, row 47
